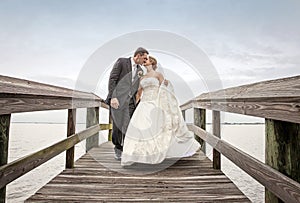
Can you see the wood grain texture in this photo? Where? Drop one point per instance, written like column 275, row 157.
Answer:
column 18, row 104
column 15, row 169
column 10, row 85
column 71, row 128
column 4, row 140
column 98, row 177
column 110, row 131
column 17, row 95
column 282, row 186
column 216, row 125
column 200, row 120
column 92, row 118
column 282, row 151
column 275, row 99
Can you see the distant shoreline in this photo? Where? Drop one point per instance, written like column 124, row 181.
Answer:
column 41, row 122
column 225, row 123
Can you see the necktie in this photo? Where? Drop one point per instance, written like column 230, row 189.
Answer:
column 137, row 69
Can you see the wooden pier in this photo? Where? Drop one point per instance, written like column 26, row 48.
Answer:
column 98, row 177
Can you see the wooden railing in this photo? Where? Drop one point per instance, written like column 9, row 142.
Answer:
column 278, row 101
column 17, row 95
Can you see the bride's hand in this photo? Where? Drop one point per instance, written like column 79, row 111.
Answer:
column 166, row 82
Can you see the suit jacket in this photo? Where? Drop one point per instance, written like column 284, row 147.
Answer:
column 120, row 84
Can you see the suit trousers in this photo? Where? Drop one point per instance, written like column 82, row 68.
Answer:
column 121, row 118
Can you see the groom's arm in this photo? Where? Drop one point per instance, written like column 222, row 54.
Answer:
column 138, row 95
column 113, row 79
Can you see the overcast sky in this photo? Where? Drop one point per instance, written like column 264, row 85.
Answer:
column 246, row 40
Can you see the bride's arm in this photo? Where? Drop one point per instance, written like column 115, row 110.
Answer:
column 160, row 77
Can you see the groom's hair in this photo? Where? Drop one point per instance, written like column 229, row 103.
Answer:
column 141, row 51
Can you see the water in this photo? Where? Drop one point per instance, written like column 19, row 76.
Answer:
column 26, row 138
column 251, row 140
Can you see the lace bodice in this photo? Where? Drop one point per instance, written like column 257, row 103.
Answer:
column 150, row 88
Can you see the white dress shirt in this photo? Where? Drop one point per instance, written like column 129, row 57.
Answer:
column 133, row 67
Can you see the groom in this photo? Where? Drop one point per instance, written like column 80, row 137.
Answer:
column 122, row 88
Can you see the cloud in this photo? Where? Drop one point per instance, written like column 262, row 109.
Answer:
column 247, row 41
column 54, row 80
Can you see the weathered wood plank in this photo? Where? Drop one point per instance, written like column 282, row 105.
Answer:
column 141, row 198
column 101, row 183
column 71, row 128
column 216, row 124
column 17, row 95
column 24, row 103
column 92, row 118
column 283, row 89
column 110, row 131
column 274, row 110
column 284, row 187
column 4, row 137
column 191, row 181
column 15, row 169
column 275, row 99
column 16, row 86
column 200, row 120
column 282, row 151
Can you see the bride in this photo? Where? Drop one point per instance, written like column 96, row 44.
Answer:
column 156, row 130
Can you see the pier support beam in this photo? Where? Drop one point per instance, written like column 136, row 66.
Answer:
column 183, row 114
column 4, row 135
column 70, row 131
column 200, row 120
column 282, row 151
column 92, row 118
column 216, row 125
column 110, row 130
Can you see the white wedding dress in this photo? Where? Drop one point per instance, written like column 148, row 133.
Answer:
column 157, row 130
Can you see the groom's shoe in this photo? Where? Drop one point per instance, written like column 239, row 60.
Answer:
column 118, row 154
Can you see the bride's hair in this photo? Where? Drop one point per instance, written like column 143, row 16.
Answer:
column 153, row 62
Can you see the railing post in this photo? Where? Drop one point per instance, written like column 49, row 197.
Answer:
column 200, row 120
column 282, row 151
column 70, row 131
column 110, row 130
column 92, row 118
column 183, row 114
column 216, row 125
column 4, row 137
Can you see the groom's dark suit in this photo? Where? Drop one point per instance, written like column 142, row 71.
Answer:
column 122, row 87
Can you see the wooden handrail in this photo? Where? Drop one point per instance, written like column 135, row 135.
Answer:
column 18, row 86
column 278, row 101
column 282, row 186
column 18, row 95
column 15, row 169
column 275, row 99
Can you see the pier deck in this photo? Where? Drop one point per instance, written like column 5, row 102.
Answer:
column 98, row 177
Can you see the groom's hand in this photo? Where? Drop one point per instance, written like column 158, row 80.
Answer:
column 114, row 103
column 166, row 82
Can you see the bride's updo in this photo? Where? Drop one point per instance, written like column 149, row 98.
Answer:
column 153, row 62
